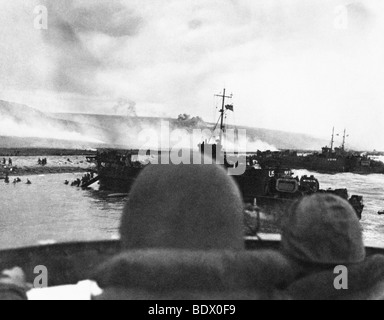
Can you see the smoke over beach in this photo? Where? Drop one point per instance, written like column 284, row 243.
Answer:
column 123, row 131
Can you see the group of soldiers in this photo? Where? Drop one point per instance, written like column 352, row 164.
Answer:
column 16, row 180
column 10, row 162
column 42, row 162
column 80, row 182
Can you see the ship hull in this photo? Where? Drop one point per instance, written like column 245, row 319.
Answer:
column 118, row 180
column 258, row 186
column 319, row 165
column 253, row 185
column 324, row 165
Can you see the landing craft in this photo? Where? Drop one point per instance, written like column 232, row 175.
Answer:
column 68, row 270
column 273, row 187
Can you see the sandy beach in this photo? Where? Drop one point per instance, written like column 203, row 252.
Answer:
column 28, row 165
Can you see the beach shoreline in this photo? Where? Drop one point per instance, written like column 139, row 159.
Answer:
column 44, row 152
column 30, row 164
column 29, row 171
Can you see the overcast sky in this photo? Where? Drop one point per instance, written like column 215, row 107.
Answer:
column 294, row 65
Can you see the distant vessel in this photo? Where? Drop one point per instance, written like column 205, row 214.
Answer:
column 330, row 160
column 272, row 188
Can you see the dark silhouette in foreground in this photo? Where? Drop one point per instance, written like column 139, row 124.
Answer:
column 320, row 234
column 182, row 238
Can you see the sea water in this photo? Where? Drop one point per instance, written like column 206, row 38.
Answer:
column 49, row 211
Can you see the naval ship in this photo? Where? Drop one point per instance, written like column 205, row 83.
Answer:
column 271, row 187
column 329, row 160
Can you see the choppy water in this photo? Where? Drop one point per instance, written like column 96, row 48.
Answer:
column 371, row 187
column 48, row 210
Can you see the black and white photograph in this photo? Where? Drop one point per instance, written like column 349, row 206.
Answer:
column 191, row 154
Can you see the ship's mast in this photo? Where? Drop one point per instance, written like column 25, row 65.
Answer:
column 222, row 113
column 344, row 139
column 333, row 138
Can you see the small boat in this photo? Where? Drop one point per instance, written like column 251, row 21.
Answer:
column 381, row 213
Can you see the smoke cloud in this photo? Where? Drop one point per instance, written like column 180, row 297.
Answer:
column 21, row 121
column 125, row 107
column 290, row 65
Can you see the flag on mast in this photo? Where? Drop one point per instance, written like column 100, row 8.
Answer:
column 229, row 107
